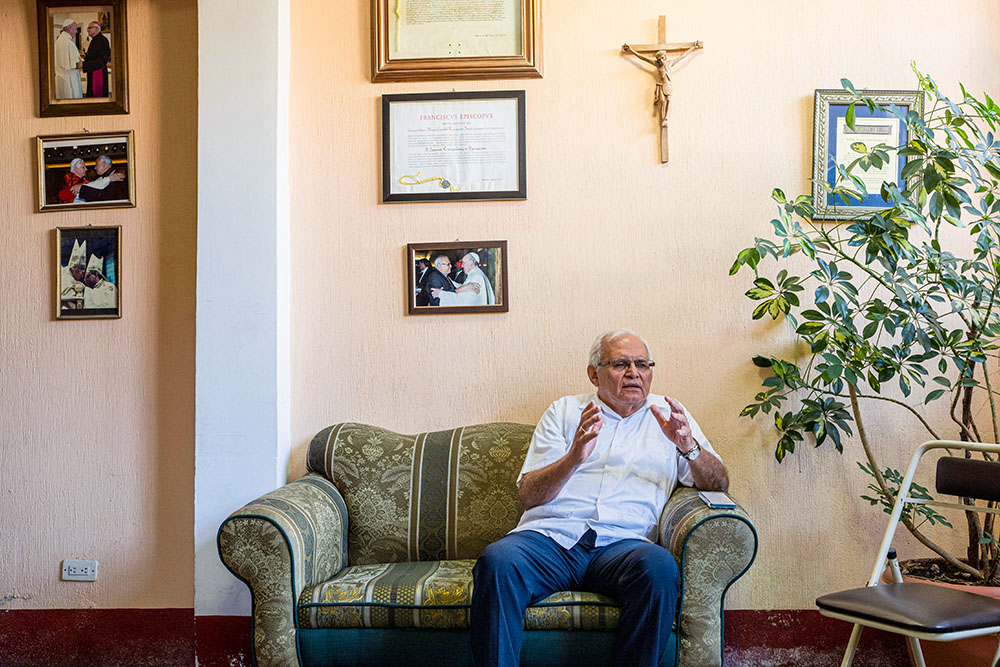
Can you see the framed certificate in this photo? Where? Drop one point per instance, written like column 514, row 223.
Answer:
column 835, row 143
column 455, row 39
column 453, row 146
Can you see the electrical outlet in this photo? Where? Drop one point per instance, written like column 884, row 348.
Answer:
column 79, row 570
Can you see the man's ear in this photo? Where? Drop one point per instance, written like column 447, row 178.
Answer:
column 592, row 374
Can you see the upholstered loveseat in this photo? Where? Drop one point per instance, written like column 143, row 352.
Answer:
column 367, row 559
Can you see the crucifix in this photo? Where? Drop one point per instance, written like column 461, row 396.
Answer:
column 658, row 55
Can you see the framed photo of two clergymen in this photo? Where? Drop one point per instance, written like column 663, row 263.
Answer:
column 457, row 277
column 88, row 273
column 82, row 57
column 86, row 171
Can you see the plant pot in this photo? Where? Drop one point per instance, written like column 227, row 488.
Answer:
column 972, row 652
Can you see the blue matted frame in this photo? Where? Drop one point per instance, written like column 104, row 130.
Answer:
column 831, row 105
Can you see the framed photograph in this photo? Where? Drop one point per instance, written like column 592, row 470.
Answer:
column 443, row 39
column 835, row 143
column 82, row 58
column 453, row 146
column 81, row 171
column 456, row 277
column 88, row 273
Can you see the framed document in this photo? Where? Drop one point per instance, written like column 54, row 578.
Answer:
column 834, row 143
column 456, row 277
column 455, row 39
column 82, row 58
column 88, row 273
column 453, row 146
column 83, row 171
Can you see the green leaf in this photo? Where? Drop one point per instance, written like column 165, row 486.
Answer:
column 849, row 117
column 933, row 396
column 762, row 362
column 859, row 147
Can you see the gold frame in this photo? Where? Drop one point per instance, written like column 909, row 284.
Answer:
column 128, row 136
column 88, row 232
column 117, row 103
column 526, row 65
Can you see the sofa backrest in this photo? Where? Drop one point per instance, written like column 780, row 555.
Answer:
column 433, row 496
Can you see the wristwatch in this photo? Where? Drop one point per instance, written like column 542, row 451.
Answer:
column 691, row 454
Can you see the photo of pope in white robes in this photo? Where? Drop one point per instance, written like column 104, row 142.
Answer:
column 88, row 272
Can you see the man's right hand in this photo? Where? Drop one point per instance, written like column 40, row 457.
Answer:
column 585, row 437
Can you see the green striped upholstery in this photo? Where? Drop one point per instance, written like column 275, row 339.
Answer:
column 433, row 594
column 434, row 496
column 387, row 550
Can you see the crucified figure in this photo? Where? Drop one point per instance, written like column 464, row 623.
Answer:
column 663, row 65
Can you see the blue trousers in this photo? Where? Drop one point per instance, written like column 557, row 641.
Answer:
column 525, row 567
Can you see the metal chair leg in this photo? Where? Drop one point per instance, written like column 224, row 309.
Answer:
column 897, row 578
column 852, row 646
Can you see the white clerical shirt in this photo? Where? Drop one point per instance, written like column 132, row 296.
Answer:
column 622, row 487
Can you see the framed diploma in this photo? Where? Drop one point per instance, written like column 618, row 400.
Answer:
column 456, row 277
column 82, row 58
column 453, row 146
column 836, row 143
column 455, row 39
column 88, row 273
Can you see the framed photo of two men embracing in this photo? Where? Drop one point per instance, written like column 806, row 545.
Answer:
column 82, row 58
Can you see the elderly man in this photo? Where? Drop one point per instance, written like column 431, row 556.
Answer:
column 98, row 291
column 71, row 277
column 67, row 63
column 437, row 282
column 95, row 63
column 597, row 475
column 106, row 187
column 465, row 295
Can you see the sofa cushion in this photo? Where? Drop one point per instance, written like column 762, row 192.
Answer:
column 426, row 497
column 433, row 594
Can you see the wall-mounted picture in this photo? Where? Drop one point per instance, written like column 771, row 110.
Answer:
column 445, row 39
column 82, row 56
column 81, row 171
column 88, row 272
column 453, row 146
column 457, row 277
column 836, row 142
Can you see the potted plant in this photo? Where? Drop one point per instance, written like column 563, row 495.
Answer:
column 899, row 306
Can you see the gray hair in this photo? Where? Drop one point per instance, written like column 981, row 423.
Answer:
column 608, row 337
column 76, row 160
column 105, row 159
column 437, row 260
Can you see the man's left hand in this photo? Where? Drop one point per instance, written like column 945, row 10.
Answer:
column 675, row 426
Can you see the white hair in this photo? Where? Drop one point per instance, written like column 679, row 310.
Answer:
column 105, row 159
column 608, row 337
column 75, row 161
column 437, row 260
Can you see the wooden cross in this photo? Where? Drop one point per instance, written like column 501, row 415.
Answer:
column 657, row 55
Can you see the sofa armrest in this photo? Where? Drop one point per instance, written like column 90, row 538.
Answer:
column 714, row 548
column 278, row 544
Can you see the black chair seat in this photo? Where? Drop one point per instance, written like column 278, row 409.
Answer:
column 915, row 607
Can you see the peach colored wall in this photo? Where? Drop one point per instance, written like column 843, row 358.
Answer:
column 97, row 423
column 607, row 237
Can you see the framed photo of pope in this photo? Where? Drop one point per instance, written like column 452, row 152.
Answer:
column 88, row 273
column 457, row 277
column 82, row 58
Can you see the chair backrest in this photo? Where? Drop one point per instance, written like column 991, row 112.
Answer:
column 968, row 478
column 432, row 496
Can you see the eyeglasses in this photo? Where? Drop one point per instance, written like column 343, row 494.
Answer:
column 622, row 365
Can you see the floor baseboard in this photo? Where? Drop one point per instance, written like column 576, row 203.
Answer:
column 172, row 637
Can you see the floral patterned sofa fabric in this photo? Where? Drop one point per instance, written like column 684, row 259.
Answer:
column 433, row 594
column 379, row 538
column 412, row 489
